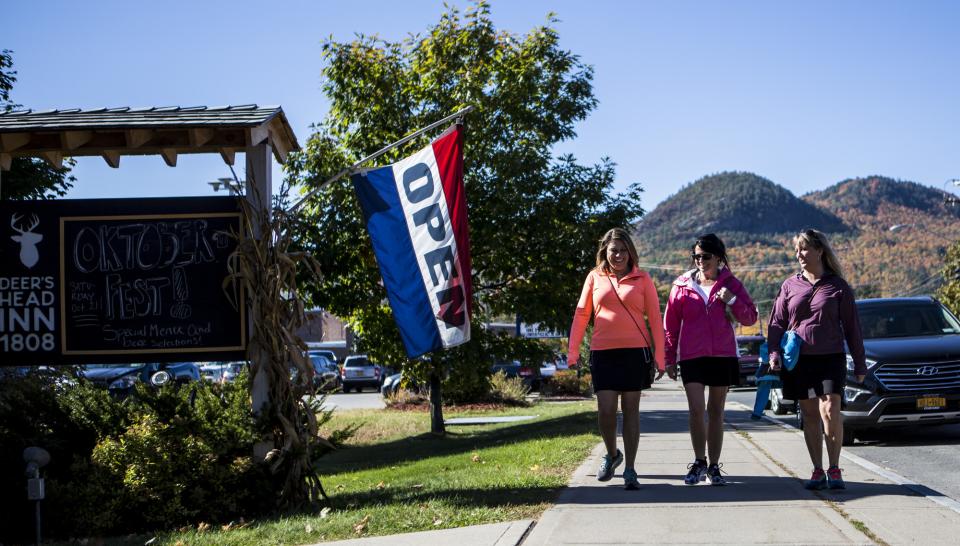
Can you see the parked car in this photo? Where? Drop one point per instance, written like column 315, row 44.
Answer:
column 332, row 356
column 326, row 374
column 358, row 373
column 391, row 384
column 120, row 379
column 912, row 347
column 780, row 405
column 513, row 368
column 220, row 372
column 748, row 351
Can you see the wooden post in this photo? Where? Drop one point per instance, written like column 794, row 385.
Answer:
column 436, row 405
column 259, row 192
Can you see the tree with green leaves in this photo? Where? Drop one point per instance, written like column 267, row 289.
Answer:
column 28, row 178
column 535, row 219
column 949, row 293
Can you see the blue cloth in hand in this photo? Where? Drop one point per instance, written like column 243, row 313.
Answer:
column 790, row 343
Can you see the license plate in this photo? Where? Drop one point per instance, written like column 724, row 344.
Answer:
column 927, row 403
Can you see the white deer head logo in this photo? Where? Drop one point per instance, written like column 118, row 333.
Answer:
column 27, row 239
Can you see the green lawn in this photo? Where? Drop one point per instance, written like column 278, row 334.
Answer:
column 395, row 477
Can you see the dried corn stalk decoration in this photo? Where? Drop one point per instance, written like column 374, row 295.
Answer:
column 263, row 268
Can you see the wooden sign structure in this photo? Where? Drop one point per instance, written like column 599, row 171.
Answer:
column 120, row 280
column 259, row 132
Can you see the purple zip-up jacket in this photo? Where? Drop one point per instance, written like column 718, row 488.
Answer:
column 823, row 323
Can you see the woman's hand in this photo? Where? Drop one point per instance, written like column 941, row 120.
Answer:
column 725, row 295
column 672, row 371
column 774, row 362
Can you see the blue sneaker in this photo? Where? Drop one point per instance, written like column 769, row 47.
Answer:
column 817, row 481
column 835, row 478
column 697, row 472
column 630, row 482
column 608, row 465
column 714, row 476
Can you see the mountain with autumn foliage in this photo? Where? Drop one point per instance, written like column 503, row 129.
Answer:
column 891, row 235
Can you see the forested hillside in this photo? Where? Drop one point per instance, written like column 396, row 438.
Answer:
column 891, row 235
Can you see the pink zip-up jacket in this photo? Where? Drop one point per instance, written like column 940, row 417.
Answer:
column 613, row 327
column 695, row 328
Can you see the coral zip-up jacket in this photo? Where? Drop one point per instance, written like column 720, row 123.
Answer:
column 612, row 325
column 696, row 328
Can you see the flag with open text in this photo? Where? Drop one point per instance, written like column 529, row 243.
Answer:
column 416, row 213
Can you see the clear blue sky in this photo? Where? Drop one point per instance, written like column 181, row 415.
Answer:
column 803, row 93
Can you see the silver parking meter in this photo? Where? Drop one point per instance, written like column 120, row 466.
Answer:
column 36, row 458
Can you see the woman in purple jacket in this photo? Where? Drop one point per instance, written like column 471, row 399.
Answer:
column 700, row 336
column 819, row 305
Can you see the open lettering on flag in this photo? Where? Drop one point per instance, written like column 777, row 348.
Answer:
column 416, row 214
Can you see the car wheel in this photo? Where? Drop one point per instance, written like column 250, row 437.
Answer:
column 776, row 406
column 849, row 436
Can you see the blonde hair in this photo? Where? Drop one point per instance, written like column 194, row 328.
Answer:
column 616, row 234
column 812, row 238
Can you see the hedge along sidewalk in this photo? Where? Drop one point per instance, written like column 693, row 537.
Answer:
column 395, row 477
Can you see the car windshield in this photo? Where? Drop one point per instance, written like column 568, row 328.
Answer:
column 321, row 362
column 749, row 347
column 358, row 362
column 906, row 320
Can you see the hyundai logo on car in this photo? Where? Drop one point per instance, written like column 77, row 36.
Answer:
column 927, row 370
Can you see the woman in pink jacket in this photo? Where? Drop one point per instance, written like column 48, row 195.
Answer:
column 621, row 299
column 700, row 340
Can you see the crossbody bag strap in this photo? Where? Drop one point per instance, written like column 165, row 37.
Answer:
column 635, row 323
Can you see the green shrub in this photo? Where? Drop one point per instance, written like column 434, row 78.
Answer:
column 569, row 383
column 508, row 390
column 160, row 458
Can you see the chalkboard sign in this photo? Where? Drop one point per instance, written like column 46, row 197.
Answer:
column 119, row 280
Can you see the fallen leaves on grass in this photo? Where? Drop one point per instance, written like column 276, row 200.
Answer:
column 203, row 527
column 437, row 522
column 308, row 528
column 361, row 526
column 325, row 512
column 382, row 485
column 417, row 486
column 534, row 468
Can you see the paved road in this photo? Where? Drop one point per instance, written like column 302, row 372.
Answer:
column 360, row 400
column 927, row 455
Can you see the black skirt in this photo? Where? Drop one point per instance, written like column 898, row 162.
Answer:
column 814, row 376
column 621, row 369
column 713, row 371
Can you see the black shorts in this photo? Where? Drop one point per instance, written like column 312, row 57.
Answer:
column 814, row 376
column 621, row 369
column 713, row 371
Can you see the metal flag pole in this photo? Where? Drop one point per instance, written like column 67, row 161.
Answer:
column 378, row 153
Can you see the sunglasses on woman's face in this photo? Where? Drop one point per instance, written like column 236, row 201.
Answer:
column 705, row 256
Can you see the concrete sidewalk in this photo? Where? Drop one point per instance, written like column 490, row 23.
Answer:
column 763, row 503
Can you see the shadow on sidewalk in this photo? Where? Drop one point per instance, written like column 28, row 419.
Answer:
column 739, row 489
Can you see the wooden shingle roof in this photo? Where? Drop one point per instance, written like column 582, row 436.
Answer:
column 167, row 131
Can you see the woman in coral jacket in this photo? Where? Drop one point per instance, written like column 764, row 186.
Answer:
column 700, row 340
column 622, row 299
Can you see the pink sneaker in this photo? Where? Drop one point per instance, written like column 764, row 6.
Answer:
column 835, row 478
column 818, row 480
